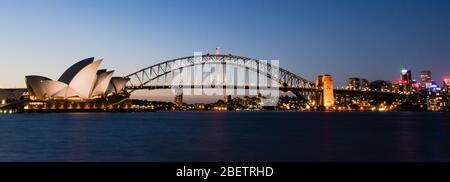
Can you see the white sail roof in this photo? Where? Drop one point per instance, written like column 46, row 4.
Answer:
column 35, row 85
column 102, row 83
column 70, row 73
column 83, row 80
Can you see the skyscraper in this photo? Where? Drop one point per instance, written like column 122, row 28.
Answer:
column 425, row 79
column 447, row 85
column 364, row 84
column 354, row 84
column 406, row 77
column 357, row 84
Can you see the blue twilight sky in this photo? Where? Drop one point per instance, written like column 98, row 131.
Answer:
column 372, row 39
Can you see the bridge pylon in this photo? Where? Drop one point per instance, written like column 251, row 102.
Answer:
column 326, row 98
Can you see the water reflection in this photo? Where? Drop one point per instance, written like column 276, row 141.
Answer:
column 227, row 136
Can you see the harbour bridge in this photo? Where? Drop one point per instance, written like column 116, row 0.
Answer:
column 257, row 75
column 232, row 75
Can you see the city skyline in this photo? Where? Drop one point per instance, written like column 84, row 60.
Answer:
column 208, row 89
column 367, row 39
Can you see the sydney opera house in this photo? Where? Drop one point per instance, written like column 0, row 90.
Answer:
column 82, row 86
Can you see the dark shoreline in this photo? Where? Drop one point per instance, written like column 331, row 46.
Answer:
column 153, row 110
column 84, row 110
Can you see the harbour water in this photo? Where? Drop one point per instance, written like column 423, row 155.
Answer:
column 226, row 136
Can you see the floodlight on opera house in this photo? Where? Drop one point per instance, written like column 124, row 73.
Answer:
column 82, row 81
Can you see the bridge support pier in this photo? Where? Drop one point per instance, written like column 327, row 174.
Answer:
column 325, row 82
column 179, row 97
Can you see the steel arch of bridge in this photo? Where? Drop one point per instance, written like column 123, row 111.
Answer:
column 287, row 80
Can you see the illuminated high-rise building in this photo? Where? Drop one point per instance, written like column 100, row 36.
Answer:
column 354, row 84
column 406, row 77
column 357, row 84
column 425, row 79
column 406, row 84
column 446, row 85
column 364, row 85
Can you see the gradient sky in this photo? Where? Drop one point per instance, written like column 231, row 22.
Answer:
column 371, row 39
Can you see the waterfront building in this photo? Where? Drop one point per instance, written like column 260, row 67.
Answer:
column 381, row 86
column 357, row 84
column 436, row 101
column 227, row 98
column 8, row 95
column 179, row 100
column 406, row 77
column 10, row 99
column 425, row 79
column 353, row 84
column 79, row 86
column 406, row 84
column 82, row 81
column 364, row 84
column 446, row 86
